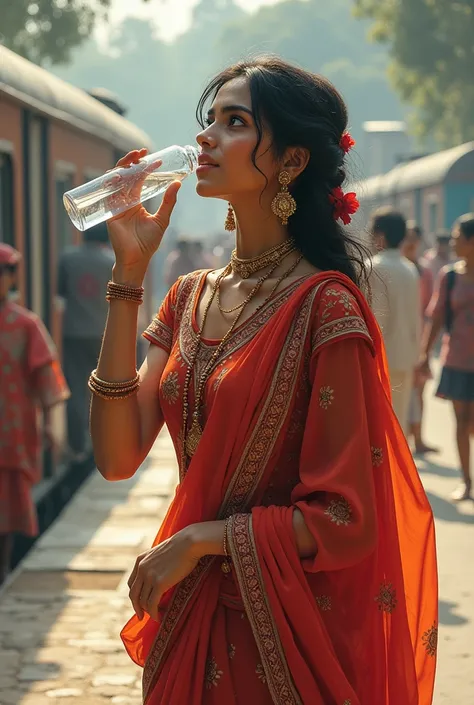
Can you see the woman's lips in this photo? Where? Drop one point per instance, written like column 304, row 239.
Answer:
column 202, row 168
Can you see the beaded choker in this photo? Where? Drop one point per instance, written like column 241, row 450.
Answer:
column 246, row 267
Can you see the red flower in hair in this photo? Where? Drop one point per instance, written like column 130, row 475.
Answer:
column 347, row 142
column 345, row 204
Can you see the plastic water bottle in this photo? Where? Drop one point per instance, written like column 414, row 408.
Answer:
column 122, row 188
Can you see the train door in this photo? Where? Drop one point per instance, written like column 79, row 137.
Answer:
column 7, row 225
column 37, row 227
column 37, row 220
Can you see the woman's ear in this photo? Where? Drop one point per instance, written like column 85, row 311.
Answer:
column 295, row 161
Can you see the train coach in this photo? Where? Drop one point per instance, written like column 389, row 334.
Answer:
column 53, row 136
column 433, row 190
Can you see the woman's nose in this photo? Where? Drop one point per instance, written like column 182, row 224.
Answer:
column 205, row 138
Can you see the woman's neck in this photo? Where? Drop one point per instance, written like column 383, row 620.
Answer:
column 257, row 232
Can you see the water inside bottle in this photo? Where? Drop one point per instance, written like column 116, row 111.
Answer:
column 115, row 196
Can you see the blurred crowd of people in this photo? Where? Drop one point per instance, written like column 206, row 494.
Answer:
column 424, row 302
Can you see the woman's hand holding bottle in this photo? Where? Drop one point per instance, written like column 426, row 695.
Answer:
column 136, row 234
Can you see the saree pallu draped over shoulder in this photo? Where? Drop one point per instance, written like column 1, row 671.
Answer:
column 356, row 624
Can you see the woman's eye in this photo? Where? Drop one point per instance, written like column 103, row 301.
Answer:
column 208, row 121
column 233, row 118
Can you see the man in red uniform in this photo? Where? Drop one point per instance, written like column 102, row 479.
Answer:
column 31, row 381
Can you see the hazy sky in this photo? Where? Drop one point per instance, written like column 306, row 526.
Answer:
column 171, row 16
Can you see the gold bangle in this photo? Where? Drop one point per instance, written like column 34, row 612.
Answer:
column 123, row 292
column 113, row 390
column 111, row 395
column 114, row 385
column 225, row 565
column 224, row 540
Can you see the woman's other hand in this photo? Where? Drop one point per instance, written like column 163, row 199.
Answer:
column 135, row 235
column 160, row 569
column 422, row 370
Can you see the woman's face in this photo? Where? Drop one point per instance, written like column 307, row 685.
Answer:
column 227, row 145
column 463, row 246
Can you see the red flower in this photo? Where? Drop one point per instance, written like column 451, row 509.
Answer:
column 345, row 204
column 347, row 142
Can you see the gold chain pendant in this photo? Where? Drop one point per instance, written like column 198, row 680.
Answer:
column 193, row 438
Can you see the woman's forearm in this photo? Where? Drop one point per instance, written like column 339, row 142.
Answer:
column 115, row 424
column 208, row 537
column 430, row 335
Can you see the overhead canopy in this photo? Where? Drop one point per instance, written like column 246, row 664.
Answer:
column 420, row 173
column 52, row 96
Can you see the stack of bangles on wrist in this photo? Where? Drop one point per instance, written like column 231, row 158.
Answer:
column 226, row 563
column 123, row 292
column 113, row 390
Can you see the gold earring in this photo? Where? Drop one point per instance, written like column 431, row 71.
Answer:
column 230, row 220
column 284, row 205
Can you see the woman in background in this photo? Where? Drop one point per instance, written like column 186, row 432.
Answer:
column 452, row 308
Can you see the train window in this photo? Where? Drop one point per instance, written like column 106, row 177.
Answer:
column 64, row 227
column 7, row 230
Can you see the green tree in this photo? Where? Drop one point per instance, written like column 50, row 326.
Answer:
column 432, row 61
column 48, row 30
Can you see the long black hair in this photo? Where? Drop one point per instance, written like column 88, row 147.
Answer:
column 302, row 109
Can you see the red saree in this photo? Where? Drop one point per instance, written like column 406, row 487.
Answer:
column 298, row 414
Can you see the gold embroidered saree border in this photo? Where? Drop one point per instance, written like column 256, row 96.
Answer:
column 246, row 477
column 179, row 600
column 245, row 560
column 340, row 327
column 243, row 334
column 261, row 442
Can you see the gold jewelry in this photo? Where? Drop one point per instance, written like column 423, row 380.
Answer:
column 230, row 220
column 123, row 292
column 283, row 276
column 225, row 565
column 246, row 267
column 113, row 390
column 190, row 441
column 284, row 205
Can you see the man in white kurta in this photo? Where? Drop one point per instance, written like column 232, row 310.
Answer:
column 396, row 305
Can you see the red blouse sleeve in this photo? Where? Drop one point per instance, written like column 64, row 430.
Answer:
column 339, row 455
column 160, row 330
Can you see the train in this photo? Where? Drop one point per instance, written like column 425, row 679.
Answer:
column 433, row 190
column 53, row 137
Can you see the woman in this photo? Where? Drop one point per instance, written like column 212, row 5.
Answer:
column 31, row 380
column 296, row 563
column 452, row 308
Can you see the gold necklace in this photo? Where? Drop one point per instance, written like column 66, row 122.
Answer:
column 246, row 267
column 190, row 441
column 236, row 308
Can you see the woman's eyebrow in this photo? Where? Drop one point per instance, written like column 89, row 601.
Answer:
column 230, row 109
